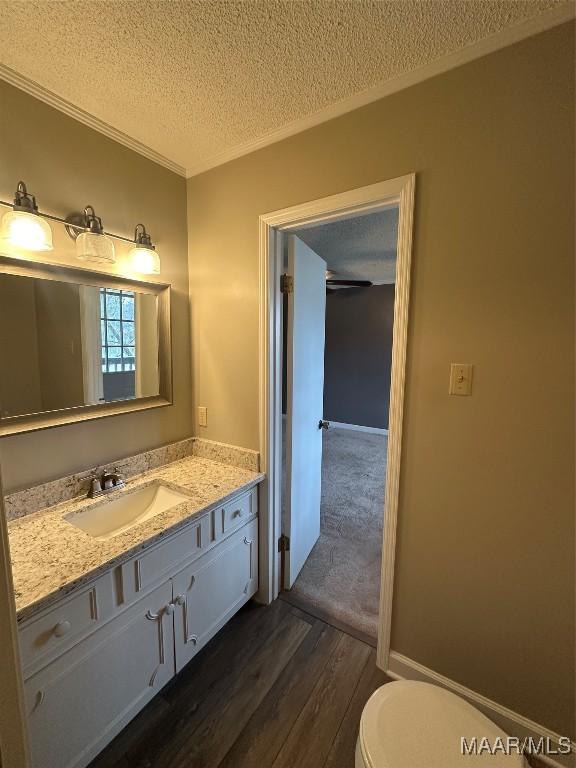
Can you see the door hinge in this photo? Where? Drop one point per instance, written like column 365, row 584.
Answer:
column 286, row 284
column 283, row 543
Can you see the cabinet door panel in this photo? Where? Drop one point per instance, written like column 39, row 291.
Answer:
column 210, row 590
column 77, row 704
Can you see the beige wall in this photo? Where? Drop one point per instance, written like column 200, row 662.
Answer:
column 67, row 166
column 59, row 344
column 40, row 346
column 485, row 575
column 20, row 390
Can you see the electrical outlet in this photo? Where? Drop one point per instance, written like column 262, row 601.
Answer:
column 202, row 416
column 460, row 379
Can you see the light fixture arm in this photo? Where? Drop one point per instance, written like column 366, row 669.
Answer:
column 93, row 223
column 23, row 201
column 141, row 237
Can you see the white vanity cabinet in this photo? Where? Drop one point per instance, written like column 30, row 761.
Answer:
column 94, row 659
column 208, row 592
column 77, row 703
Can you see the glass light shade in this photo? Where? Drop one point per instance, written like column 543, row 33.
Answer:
column 144, row 260
column 26, row 230
column 91, row 246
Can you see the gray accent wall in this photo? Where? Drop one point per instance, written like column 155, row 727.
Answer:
column 358, row 355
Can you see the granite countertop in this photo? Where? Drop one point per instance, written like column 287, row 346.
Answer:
column 50, row 557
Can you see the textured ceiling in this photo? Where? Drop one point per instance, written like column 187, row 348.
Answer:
column 362, row 248
column 192, row 79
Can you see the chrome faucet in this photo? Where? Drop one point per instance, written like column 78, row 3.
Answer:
column 108, row 482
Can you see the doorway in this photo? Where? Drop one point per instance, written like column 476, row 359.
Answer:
column 353, row 310
column 395, row 193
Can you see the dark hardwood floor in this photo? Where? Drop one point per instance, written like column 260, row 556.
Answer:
column 276, row 688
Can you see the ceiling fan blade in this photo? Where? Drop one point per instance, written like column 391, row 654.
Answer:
column 348, row 283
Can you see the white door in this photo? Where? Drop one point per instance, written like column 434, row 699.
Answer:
column 304, row 404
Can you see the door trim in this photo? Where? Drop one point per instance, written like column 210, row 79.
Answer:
column 14, row 750
column 398, row 191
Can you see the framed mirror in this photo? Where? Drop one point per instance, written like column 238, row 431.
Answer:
column 77, row 344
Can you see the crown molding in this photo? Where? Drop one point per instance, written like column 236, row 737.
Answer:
column 559, row 14
column 555, row 16
column 48, row 97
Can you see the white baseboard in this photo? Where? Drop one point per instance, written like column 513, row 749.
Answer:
column 402, row 668
column 358, row 428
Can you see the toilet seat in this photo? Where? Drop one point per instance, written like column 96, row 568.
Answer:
column 409, row 724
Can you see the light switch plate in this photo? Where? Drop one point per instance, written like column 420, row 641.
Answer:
column 202, row 416
column 460, row 379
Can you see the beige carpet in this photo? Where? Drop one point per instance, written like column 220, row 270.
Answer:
column 340, row 581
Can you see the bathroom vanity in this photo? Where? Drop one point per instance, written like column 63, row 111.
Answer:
column 117, row 584
column 106, row 620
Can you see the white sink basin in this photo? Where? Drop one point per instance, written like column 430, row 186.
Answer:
column 109, row 518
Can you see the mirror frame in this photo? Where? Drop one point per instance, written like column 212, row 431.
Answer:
column 30, row 422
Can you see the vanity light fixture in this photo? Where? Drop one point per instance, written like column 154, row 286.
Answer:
column 94, row 244
column 143, row 256
column 23, row 226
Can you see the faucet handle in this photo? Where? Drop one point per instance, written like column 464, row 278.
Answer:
column 95, row 486
column 118, row 477
column 108, row 481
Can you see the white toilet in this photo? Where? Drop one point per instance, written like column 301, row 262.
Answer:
column 408, row 724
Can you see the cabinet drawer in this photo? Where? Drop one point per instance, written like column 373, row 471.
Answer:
column 236, row 513
column 61, row 627
column 162, row 559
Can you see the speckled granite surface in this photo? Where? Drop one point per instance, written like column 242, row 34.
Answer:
column 51, row 557
column 38, row 497
column 228, row 454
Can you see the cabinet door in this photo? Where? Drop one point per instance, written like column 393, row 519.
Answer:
column 208, row 592
column 77, row 704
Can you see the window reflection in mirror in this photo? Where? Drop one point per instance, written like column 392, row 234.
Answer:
column 64, row 345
